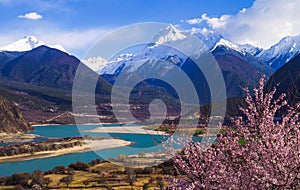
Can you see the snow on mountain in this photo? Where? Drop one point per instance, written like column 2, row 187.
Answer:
column 169, row 34
column 25, row 44
column 228, row 45
column 28, row 43
column 282, row 52
column 158, row 52
column 95, row 63
column 253, row 50
column 208, row 37
column 276, row 56
column 226, row 48
column 150, row 55
column 57, row 46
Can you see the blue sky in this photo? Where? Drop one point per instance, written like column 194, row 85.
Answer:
column 111, row 13
column 76, row 24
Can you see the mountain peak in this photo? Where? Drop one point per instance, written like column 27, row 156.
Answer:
column 25, row 44
column 282, row 52
column 227, row 44
column 31, row 39
column 169, row 34
column 28, row 43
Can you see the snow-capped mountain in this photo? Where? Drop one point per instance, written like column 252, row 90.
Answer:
column 239, row 67
column 169, row 34
column 215, row 42
column 265, row 61
column 224, row 48
column 150, row 54
column 42, row 66
column 253, row 50
column 209, row 38
column 157, row 51
column 228, row 45
column 95, row 63
column 28, row 43
column 282, row 52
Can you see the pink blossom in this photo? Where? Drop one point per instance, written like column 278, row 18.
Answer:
column 255, row 153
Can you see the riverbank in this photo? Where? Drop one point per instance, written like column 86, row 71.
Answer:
column 87, row 146
column 17, row 138
column 126, row 130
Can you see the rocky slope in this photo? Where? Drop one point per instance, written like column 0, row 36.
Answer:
column 11, row 119
column 288, row 80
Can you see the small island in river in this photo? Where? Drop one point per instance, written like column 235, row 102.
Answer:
column 57, row 147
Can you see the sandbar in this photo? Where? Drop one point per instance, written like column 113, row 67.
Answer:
column 125, row 129
column 89, row 145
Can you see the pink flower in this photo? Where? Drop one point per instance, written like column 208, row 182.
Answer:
column 256, row 153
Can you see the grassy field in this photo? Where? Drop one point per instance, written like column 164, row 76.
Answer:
column 105, row 176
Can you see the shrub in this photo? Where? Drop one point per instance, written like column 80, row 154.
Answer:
column 3, row 180
column 79, row 166
column 59, row 170
column 19, row 179
column 37, row 177
column 94, row 162
column 67, row 180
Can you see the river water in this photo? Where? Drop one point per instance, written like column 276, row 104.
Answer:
column 143, row 143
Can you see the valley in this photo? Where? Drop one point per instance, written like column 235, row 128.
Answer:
column 39, row 129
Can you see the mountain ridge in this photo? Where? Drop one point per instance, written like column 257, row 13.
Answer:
column 60, row 67
column 48, row 67
column 282, row 52
column 287, row 80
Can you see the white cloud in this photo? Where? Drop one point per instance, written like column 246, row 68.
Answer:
column 215, row 22
column 203, row 31
column 31, row 16
column 263, row 24
column 194, row 21
column 211, row 21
